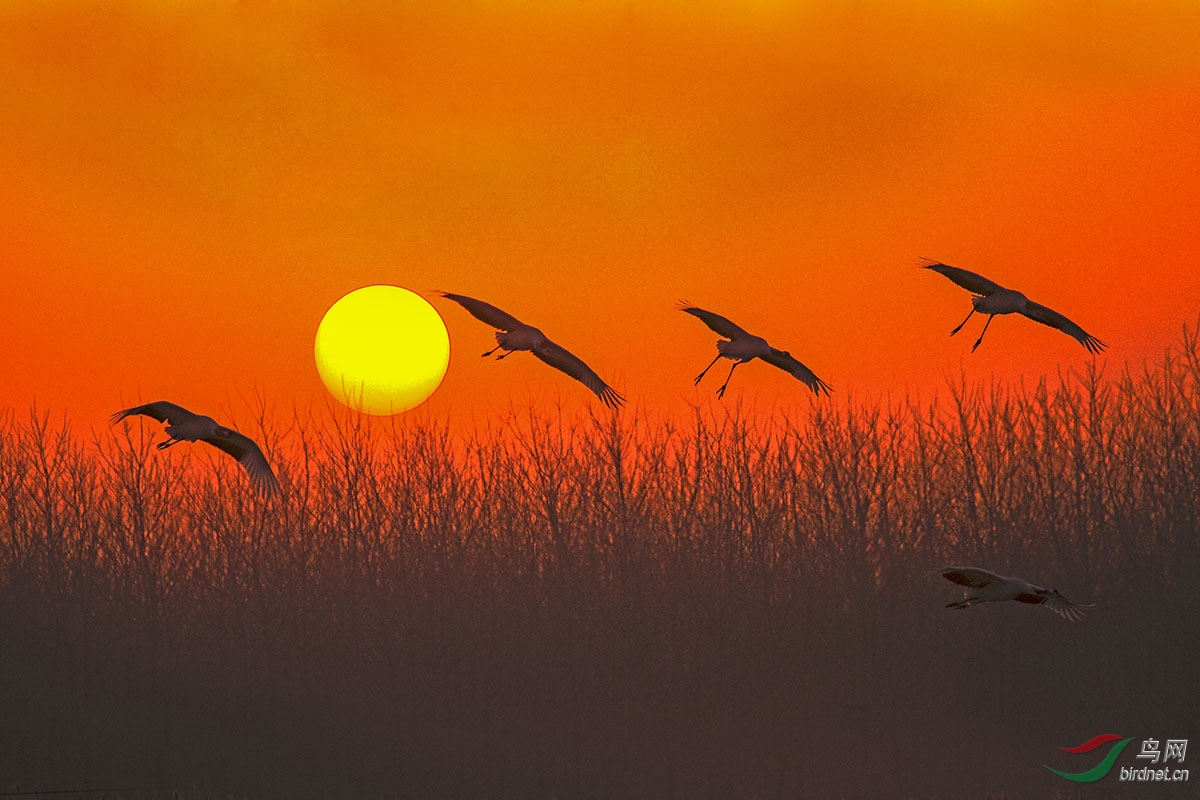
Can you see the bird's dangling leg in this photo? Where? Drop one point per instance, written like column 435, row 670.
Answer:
column 489, row 352
column 706, row 369
column 964, row 322
column 721, row 391
column 985, row 327
column 960, row 604
column 167, row 443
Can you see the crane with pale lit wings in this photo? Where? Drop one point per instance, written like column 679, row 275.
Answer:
column 991, row 298
column 741, row 347
column 185, row 426
column 988, row 587
column 513, row 335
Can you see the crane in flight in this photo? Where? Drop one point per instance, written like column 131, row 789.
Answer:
column 513, row 335
column 991, row 298
column 740, row 347
column 184, row 426
column 986, row 587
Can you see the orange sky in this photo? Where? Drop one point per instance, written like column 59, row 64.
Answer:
column 186, row 187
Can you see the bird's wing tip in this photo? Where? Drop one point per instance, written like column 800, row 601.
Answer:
column 261, row 475
column 609, row 396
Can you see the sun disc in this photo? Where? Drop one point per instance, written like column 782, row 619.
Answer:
column 382, row 349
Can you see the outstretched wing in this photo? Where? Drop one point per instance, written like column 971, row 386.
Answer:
column 249, row 455
column 160, row 410
column 562, row 359
column 1053, row 600
column 485, row 312
column 971, row 576
column 971, row 281
column 715, row 322
column 785, row 362
column 1048, row 316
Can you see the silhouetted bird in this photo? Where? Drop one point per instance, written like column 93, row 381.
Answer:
column 992, row 299
column 989, row 587
column 513, row 335
column 742, row 347
column 184, row 426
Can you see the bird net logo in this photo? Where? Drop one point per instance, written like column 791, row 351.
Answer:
column 1149, row 769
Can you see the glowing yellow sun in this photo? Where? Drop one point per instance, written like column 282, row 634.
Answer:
column 382, row 349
